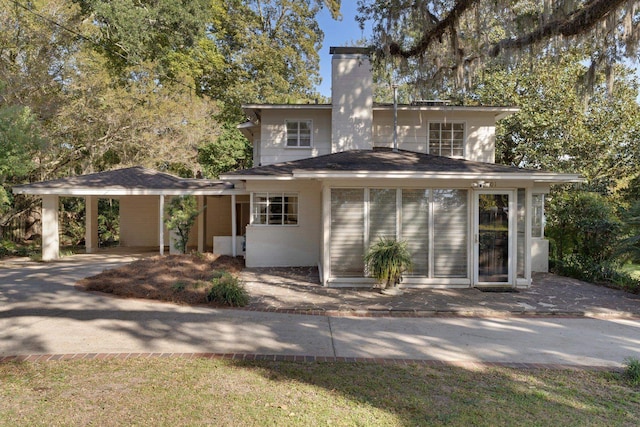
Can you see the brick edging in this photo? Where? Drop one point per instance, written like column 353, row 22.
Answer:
column 301, row 359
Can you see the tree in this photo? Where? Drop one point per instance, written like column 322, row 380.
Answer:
column 439, row 40
column 231, row 151
column 596, row 134
column 583, row 223
column 182, row 212
column 255, row 51
column 19, row 145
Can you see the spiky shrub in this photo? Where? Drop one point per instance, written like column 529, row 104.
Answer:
column 386, row 261
column 632, row 370
column 228, row 290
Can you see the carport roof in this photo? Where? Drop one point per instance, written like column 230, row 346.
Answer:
column 128, row 181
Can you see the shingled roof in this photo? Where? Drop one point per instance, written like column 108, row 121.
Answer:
column 386, row 161
column 133, row 180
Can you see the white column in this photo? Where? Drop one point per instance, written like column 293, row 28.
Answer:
column 91, row 224
column 201, row 220
column 325, row 261
column 161, row 234
column 234, row 249
column 50, row 236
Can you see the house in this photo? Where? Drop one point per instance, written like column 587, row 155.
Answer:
column 330, row 179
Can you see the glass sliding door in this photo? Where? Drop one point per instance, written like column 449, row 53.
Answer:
column 493, row 239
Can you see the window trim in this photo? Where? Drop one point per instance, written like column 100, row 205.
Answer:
column 448, row 122
column 542, row 207
column 269, row 195
column 286, row 136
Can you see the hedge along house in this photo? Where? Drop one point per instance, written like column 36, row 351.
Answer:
column 330, row 179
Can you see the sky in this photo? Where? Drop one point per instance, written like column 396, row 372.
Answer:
column 336, row 33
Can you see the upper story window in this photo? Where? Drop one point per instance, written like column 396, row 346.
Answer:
column 446, row 139
column 275, row 208
column 298, row 133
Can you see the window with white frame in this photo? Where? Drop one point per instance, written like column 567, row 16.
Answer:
column 275, row 209
column 298, row 133
column 446, row 139
column 537, row 215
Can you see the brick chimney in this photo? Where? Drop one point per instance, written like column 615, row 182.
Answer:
column 351, row 98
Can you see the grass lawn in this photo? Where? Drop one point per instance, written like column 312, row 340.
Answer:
column 633, row 270
column 179, row 391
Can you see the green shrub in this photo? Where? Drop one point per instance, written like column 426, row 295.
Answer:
column 632, row 370
column 178, row 287
column 604, row 272
column 182, row 212
column 228, row 290
column 9, row 248
column 386, row 260
column 218, row 274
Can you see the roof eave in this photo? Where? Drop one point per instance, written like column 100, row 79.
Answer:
column 551, row 178
column 105, row 192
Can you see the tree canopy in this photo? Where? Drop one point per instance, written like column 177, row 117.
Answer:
column 440, row 40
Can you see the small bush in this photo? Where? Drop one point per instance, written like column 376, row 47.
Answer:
column 632, row 370
column 178, row 287
column 228, row 290
column 199, row 284
column 218, row 274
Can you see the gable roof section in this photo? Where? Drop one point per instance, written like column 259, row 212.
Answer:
column 128, row 181
column 385, row 163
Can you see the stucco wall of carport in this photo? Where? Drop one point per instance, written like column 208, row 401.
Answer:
column 140, row 221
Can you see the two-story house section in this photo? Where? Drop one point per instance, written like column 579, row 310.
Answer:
column 330, row 179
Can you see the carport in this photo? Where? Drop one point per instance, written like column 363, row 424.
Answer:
column 142, row 194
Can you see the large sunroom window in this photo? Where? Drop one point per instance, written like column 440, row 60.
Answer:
column 433, row 222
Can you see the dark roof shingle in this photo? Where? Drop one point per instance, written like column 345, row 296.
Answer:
column 379, row 160
column 133, row 178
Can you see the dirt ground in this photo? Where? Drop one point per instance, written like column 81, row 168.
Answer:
column 182, row 279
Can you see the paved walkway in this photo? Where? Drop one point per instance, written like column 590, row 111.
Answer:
column 297, row 290
column 43, row 316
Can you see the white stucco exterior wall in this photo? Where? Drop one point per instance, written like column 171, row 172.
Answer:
column 140, row 221
column 413, row 128
column 290, row 245
column 273, row 135
column 352, row 100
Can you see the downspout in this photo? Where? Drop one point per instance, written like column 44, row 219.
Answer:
column 395, row 117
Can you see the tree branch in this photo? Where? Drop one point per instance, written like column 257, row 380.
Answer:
column 436, row 32
column 578, row 22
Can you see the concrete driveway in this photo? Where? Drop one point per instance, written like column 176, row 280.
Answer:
column 42, row 313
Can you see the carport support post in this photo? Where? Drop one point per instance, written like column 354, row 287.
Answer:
column 234, row 249
column 91, row 224
column 161, row 215
column 201, row 223
column 50, row 236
